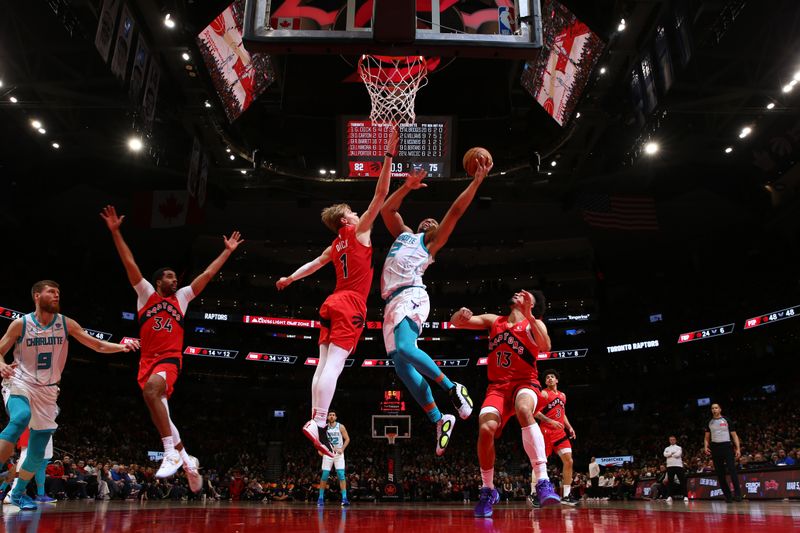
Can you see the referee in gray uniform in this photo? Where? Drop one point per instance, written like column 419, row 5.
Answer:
column 722, row 443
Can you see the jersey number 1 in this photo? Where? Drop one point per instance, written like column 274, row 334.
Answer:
column 343, row 259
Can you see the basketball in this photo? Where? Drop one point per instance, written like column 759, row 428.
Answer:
column 470, row 160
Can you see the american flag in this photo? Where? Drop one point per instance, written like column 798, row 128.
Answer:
column 618, row 212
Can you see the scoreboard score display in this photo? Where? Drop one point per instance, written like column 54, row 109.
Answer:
column 426, row 144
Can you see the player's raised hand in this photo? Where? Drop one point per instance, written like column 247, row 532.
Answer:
column 484, row 167
column 461, row 316
column 415, row 177
column 233, row 242
column 394, row 140
column 131, row 346
column 109, row 214
column 283, row 283
column 7, row 371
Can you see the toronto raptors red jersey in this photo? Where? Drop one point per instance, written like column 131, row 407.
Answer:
column 554, row 405
column 352, row 261
column 512, row 352
column 161, row 327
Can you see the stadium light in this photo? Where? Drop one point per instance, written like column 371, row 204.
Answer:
column 651, row 148
column 729, row 149
column 135, row 144
column 747, row 130
column 169, row 22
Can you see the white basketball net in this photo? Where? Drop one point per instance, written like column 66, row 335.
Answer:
column 392, row 83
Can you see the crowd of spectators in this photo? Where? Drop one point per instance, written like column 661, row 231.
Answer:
column 101, row 449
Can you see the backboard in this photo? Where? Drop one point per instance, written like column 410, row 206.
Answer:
column 385, row 424
column 468, row 28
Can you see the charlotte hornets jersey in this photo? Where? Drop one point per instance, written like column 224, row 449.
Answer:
column 41, row 351
column 405, row 264
column 335, row 436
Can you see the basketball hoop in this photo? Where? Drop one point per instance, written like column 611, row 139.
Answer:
column 392, row 84
column 391, row 437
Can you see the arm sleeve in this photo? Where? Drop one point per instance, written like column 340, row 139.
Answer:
column 184, row 296
column 143, row 291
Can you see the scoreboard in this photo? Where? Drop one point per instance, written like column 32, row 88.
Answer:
column 774, row 316
column 707, row 333
column 426, row 144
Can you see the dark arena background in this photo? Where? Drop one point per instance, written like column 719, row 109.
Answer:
column 646, row 178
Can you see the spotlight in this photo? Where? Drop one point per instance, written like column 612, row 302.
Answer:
column 602, row 70
column 788, row 88
column 553, row 163
column 729, row 149
column 549, row 173
column 651, row 148
column 42, row 131
column 331, row 172
column 502, row 172
column 322, row 171
column 621, row 26
column 578, row 114
column 232, row 157
column 797, row 76
column 36, row 124
column 169, row 22
column 771, row 105
column 186, row 56
column 1, row 83
column 207, row 103
column 747, row 130
column 13, row 99
column 135, row 144
column 228, row 150
column 56, row 145
column 243, row 171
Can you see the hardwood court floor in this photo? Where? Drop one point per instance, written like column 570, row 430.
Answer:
column 235, row 517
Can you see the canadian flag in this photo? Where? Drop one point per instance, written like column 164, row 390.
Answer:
column 165, row 209
column 287, row 23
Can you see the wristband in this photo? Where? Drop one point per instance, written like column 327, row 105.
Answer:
column 388, row 154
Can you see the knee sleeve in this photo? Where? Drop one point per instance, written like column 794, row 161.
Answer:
column 19, row 414
column 340, row 474
column 325, row 475
column 36, row 446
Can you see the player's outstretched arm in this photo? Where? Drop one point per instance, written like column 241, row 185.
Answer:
column 109, row 214
column 11, row 336
column 80, row 335
column 381, row 190
column 458, row 208
column 305, row 270
column 391, row 209
column 538, row 329
column 464, row 319
column 569, row 428
column 231, row 243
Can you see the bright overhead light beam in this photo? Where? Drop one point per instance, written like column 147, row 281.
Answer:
column 729, row 149
column 747, row 130
column 168, row 21
column 651, row 148
column 135, row 144
column 553, row 163
column 771, row 105
column 186, row 56
column 36, row 124
column 13, row 99
column 42, row 131
column 56, row 146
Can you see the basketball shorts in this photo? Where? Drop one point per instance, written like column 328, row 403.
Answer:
column 555, row 440
column 501, row 397
column 342, row 317
column 167, row 367
column 333, row 462
column 42, row 400
column 412, row 303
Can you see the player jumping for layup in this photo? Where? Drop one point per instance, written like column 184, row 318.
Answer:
column 40, row 341
column 407, row 302
column 161, row 310
column 514, row 343
column 557, row 432
column 344, row 313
